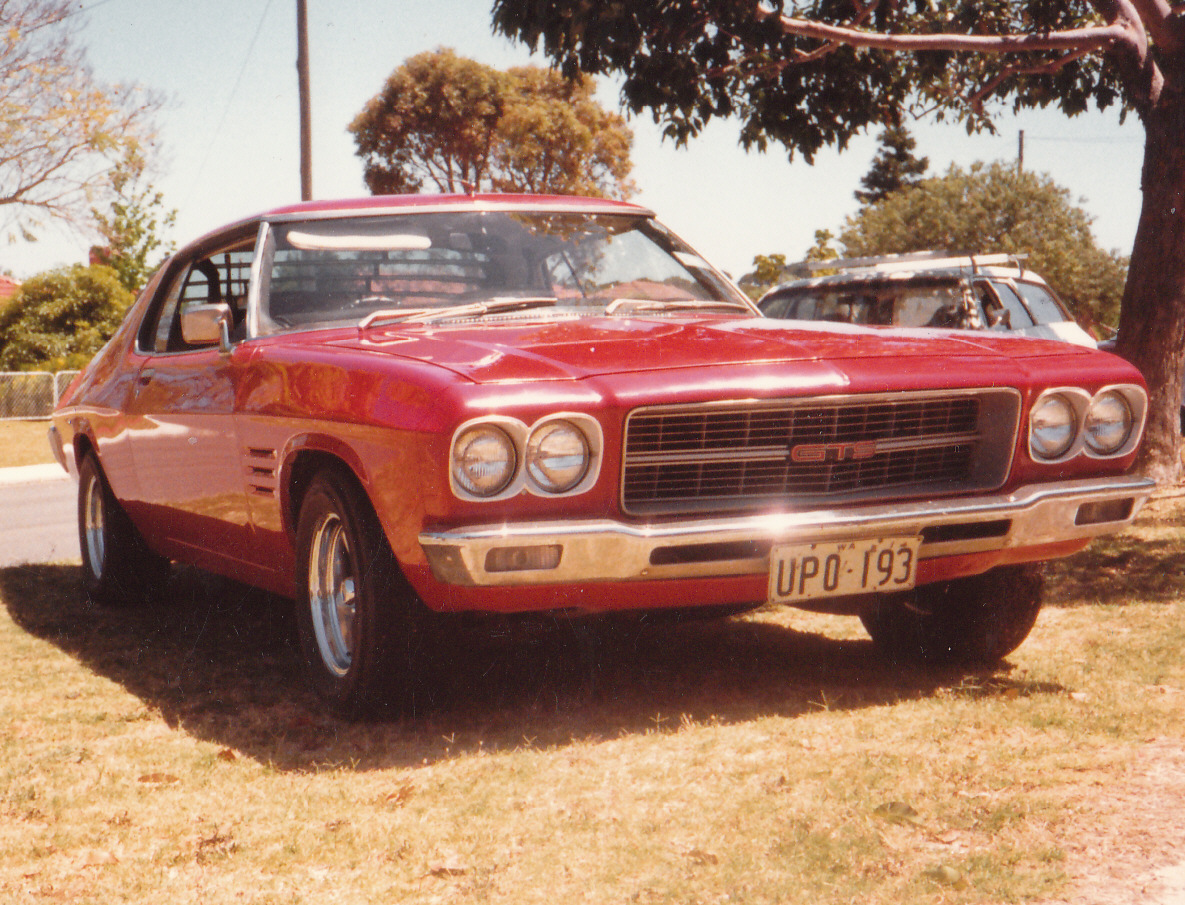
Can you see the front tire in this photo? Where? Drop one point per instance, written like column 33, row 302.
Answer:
column 975, row 620
column 357, row 618
column 118, row 568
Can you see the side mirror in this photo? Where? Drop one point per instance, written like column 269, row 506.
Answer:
column 206, row 325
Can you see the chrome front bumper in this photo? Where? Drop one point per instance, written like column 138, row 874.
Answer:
column 606, row 550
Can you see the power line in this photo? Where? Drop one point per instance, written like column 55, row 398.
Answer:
column 230, row 99
column 1085, row 141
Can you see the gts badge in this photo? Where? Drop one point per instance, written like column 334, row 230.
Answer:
column 805, row 453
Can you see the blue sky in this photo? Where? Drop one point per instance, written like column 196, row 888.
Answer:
column 230, row 128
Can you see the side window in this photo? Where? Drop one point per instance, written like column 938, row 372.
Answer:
column 1004, row 307
column 219, row 277
column 1041, row 302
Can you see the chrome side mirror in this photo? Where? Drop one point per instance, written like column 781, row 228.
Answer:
column 205, row 325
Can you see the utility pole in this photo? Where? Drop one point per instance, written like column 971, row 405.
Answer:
column 302, row 77
column 1020, row 151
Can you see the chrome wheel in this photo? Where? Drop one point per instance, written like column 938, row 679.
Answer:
column 94, row 526
column 354, row 611
column 332, row 594
column 118, row 568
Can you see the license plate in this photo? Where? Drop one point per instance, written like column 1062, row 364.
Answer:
column 810, row 571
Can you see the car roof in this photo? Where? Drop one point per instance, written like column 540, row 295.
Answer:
column 932, row 267
column 378, row 205
column 381, row 204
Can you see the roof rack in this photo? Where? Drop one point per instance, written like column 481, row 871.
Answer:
column 916, row 260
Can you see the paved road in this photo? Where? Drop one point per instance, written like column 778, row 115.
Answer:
column 38, row 521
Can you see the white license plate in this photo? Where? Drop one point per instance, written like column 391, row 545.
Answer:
column 874, row 565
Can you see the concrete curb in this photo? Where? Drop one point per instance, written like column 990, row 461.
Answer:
column 33, row 474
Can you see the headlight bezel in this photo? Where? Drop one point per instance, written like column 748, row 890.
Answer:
column 520, row 434
column 1083, row 403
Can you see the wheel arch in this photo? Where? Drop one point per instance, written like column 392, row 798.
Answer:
column 302, row 465
column 83, row 445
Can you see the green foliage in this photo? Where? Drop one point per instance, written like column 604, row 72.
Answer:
column 822, row 249
column 894, row 166
column 455, row 124
column 61, row 318
column 691, row 61
column 992, row 208
column 769, row 270
column 134, row 247
column 766, row 273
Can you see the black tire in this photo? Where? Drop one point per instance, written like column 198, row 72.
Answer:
column 360, row 623
column 976, row 620
column 118, row 568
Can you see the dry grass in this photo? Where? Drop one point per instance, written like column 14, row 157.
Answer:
column 173, row 755
column 24, row 443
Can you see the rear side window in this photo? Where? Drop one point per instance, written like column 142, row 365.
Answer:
column 1041, row 302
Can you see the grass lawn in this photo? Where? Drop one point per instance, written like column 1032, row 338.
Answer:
column 173, row 755
column 24, row 443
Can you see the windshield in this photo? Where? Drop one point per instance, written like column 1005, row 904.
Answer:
column 900, row 305
column 436, row 265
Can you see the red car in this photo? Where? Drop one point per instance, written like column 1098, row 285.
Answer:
column 396, row 406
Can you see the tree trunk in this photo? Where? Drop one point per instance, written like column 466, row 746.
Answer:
column 1152, row 319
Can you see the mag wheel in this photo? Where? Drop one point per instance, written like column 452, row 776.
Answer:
column 118, row 569
column 980, row 619
column 356, row 616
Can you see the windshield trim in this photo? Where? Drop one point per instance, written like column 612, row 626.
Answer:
column 259, row 323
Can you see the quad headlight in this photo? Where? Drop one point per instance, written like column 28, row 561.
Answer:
column 557, row 456
column 1053, row 426
column 1108, row 423
column 484, row 460
column 496, row 458
column 1067, row 421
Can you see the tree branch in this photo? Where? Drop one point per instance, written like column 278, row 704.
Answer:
column 1162, row 22
column 1131, row 55
column 1095, row 37
column 975, row 101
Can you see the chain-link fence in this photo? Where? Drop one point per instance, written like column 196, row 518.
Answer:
column 26, row 395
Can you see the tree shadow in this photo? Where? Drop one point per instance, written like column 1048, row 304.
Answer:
column 221, row 661
column 1118, row 571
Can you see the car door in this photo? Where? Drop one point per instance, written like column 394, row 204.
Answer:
column 183, row 435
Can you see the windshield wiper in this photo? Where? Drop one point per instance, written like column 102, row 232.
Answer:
column 490, row 306
column 647, row 305
column 471, row 309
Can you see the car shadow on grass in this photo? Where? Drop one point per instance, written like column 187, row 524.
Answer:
column 221, row 661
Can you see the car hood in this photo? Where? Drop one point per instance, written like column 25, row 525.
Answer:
column 588, row 347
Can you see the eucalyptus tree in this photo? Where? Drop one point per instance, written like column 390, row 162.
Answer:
column 445, row 122
column 811, row 74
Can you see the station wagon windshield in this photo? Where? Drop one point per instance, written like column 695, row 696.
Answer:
column 471, row 264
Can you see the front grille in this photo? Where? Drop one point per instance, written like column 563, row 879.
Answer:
column 803, row 452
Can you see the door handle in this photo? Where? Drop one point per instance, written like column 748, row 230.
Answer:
column 145, row 377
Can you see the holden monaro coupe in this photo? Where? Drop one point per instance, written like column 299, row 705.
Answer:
column 394, row 407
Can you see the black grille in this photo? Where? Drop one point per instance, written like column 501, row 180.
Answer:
column 699, row 458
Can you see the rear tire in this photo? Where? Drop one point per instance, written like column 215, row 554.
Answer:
column 360, row 624
column 118, row 568
column 974, row 620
